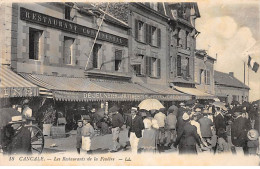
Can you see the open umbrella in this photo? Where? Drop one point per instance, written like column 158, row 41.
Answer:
column 6, row 115
column 150, row 104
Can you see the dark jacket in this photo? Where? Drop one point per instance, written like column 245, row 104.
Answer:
column 205, row 126
column 117, row 120
column 220, row 122
column 188, row 136
column 20, row 142
column 239, row 130
column 79, row 137
column 136, row 126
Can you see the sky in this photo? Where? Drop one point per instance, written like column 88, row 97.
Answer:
column 230, row 31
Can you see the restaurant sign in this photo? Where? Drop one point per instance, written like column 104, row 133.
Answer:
column 97, row 96
column 6, row 92
column 39, row 18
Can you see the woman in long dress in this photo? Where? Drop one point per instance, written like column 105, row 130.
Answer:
column 148, row 141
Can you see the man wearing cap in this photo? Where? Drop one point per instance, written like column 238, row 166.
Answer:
column 187, row 138
column 171, row 121
column 21, row 137
column 135, row 130
column 239, row 129
column 219, row 120
column 117, row 122
column 88, row 133
column 161, row 119
column 205, row 126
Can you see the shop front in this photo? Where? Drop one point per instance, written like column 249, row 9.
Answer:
column 78, row 96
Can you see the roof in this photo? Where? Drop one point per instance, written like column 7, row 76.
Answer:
column 204, row 53
column 14, row 85
column 99, row 8
column 225, row 79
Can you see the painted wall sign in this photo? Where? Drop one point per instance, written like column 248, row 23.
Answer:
column 6, row 92
column 97, row 96
column 36, row 17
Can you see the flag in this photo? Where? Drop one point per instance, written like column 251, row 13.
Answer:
column 252, row 64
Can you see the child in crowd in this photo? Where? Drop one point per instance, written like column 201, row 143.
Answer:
column 87, row 134
column 79, row 136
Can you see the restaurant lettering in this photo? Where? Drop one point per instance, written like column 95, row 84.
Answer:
column 36, row 17
column 96, row 96
column 18, row 92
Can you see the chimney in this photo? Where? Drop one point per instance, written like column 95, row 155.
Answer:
column 231, row 74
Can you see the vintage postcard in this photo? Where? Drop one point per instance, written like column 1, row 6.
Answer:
column 154, row 83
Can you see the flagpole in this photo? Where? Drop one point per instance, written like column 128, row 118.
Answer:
column 244, row 82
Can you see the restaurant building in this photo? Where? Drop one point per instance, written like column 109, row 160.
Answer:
column 78, row 60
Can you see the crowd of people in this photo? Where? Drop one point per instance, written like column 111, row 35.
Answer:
column 190, row 129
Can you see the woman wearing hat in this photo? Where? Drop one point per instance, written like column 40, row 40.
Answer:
column 187, row 138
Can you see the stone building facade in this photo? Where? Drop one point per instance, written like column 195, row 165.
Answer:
column 57, row 38
column 204, row 72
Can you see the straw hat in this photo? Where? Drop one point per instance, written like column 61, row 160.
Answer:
column 17, row 119
column 252, row 134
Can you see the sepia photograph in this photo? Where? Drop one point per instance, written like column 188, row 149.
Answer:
column 130, row 83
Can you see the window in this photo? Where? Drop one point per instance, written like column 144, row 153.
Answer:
column 140, row 31
column 137, row 69
column 208, row 77
column 118, row 59
column 96, row 56
column 34, row 43
column 188, row 67
column 179, row 37
column 67, row 12
column 153, row 36
column 179, row 66
column 153, row 67
column 201, row 75
column 67, row 55
column 186, row 40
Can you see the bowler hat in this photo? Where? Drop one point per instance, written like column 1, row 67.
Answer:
column 113, row 109
column 85, row 117
column 252, row 134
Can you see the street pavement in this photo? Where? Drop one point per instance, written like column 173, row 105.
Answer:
column 100, row 144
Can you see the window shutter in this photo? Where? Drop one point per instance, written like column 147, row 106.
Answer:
column 147, row 33
column 147, row 65
column 150, row 66
column 188, row 67
column 179, row 66
column 158, row 37
column 188, row 41
column 150, row 34
column 158, row 67
column 205, row 76
column 136, row 29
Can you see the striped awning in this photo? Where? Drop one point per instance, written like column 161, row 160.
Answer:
column 194, row 92
column 13, row 85
column 165, row 90
column 86, row 89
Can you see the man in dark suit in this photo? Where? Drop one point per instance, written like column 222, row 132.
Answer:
column 219, row 120
column 188, row 137
column 21, row 139
column 135, row 130
column 239, row 130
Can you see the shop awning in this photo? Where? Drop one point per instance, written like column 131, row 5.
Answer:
column 13, row 85
column 167, row 93
column 195, row 92
column 86, row 89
